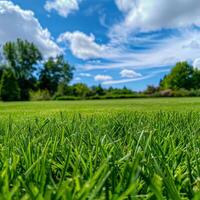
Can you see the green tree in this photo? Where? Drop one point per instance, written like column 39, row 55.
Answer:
column 62, row 89
column 2, row 68
column 181, row 76
column 151, row 89
column 81, row 90
column 23, row 57
column 196, row 79
column 55, row 71
column 118, row 91
column 9, row 88
column 98, row 90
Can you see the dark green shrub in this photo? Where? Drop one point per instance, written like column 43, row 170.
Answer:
column 9, row 88
column 194, row 93
column 181, row 93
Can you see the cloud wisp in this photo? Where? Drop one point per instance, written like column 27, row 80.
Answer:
column 101, row 78
column 164, row 52
column 125, row 73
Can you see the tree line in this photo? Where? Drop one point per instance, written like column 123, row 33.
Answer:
column 26, row 75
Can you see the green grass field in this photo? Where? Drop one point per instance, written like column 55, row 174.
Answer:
column 112, row 149
column 49, row 108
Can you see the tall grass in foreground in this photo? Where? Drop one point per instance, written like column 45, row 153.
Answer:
column 119, row 156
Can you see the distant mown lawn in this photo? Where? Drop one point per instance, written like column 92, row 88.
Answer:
column 49, row 108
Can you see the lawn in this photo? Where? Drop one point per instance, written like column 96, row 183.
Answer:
column 49, row 108
column 112, row 149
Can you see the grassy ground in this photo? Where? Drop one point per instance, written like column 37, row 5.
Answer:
column 47, row 108
column 118, row 149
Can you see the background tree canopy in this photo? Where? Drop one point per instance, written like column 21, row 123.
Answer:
column 54, row 72
column 182, row 76
column 23, row 59
column 9, row 88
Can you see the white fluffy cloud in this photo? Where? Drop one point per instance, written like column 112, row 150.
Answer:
column 18, row 23
column 100, row 77
column 125, row 5
column 129, row 74
column 82, row 45
column 144, row 15
column 63, row 7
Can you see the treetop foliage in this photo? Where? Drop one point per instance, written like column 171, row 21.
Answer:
column 22, row 57
column 54, row 72
column 182, row 76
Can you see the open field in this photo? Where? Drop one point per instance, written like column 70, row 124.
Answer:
column 49, row 108
column 118, row 149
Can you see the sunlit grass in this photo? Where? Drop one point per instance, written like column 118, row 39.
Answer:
column 100, row 150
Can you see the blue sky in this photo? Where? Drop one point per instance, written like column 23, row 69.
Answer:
column 116, row 43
